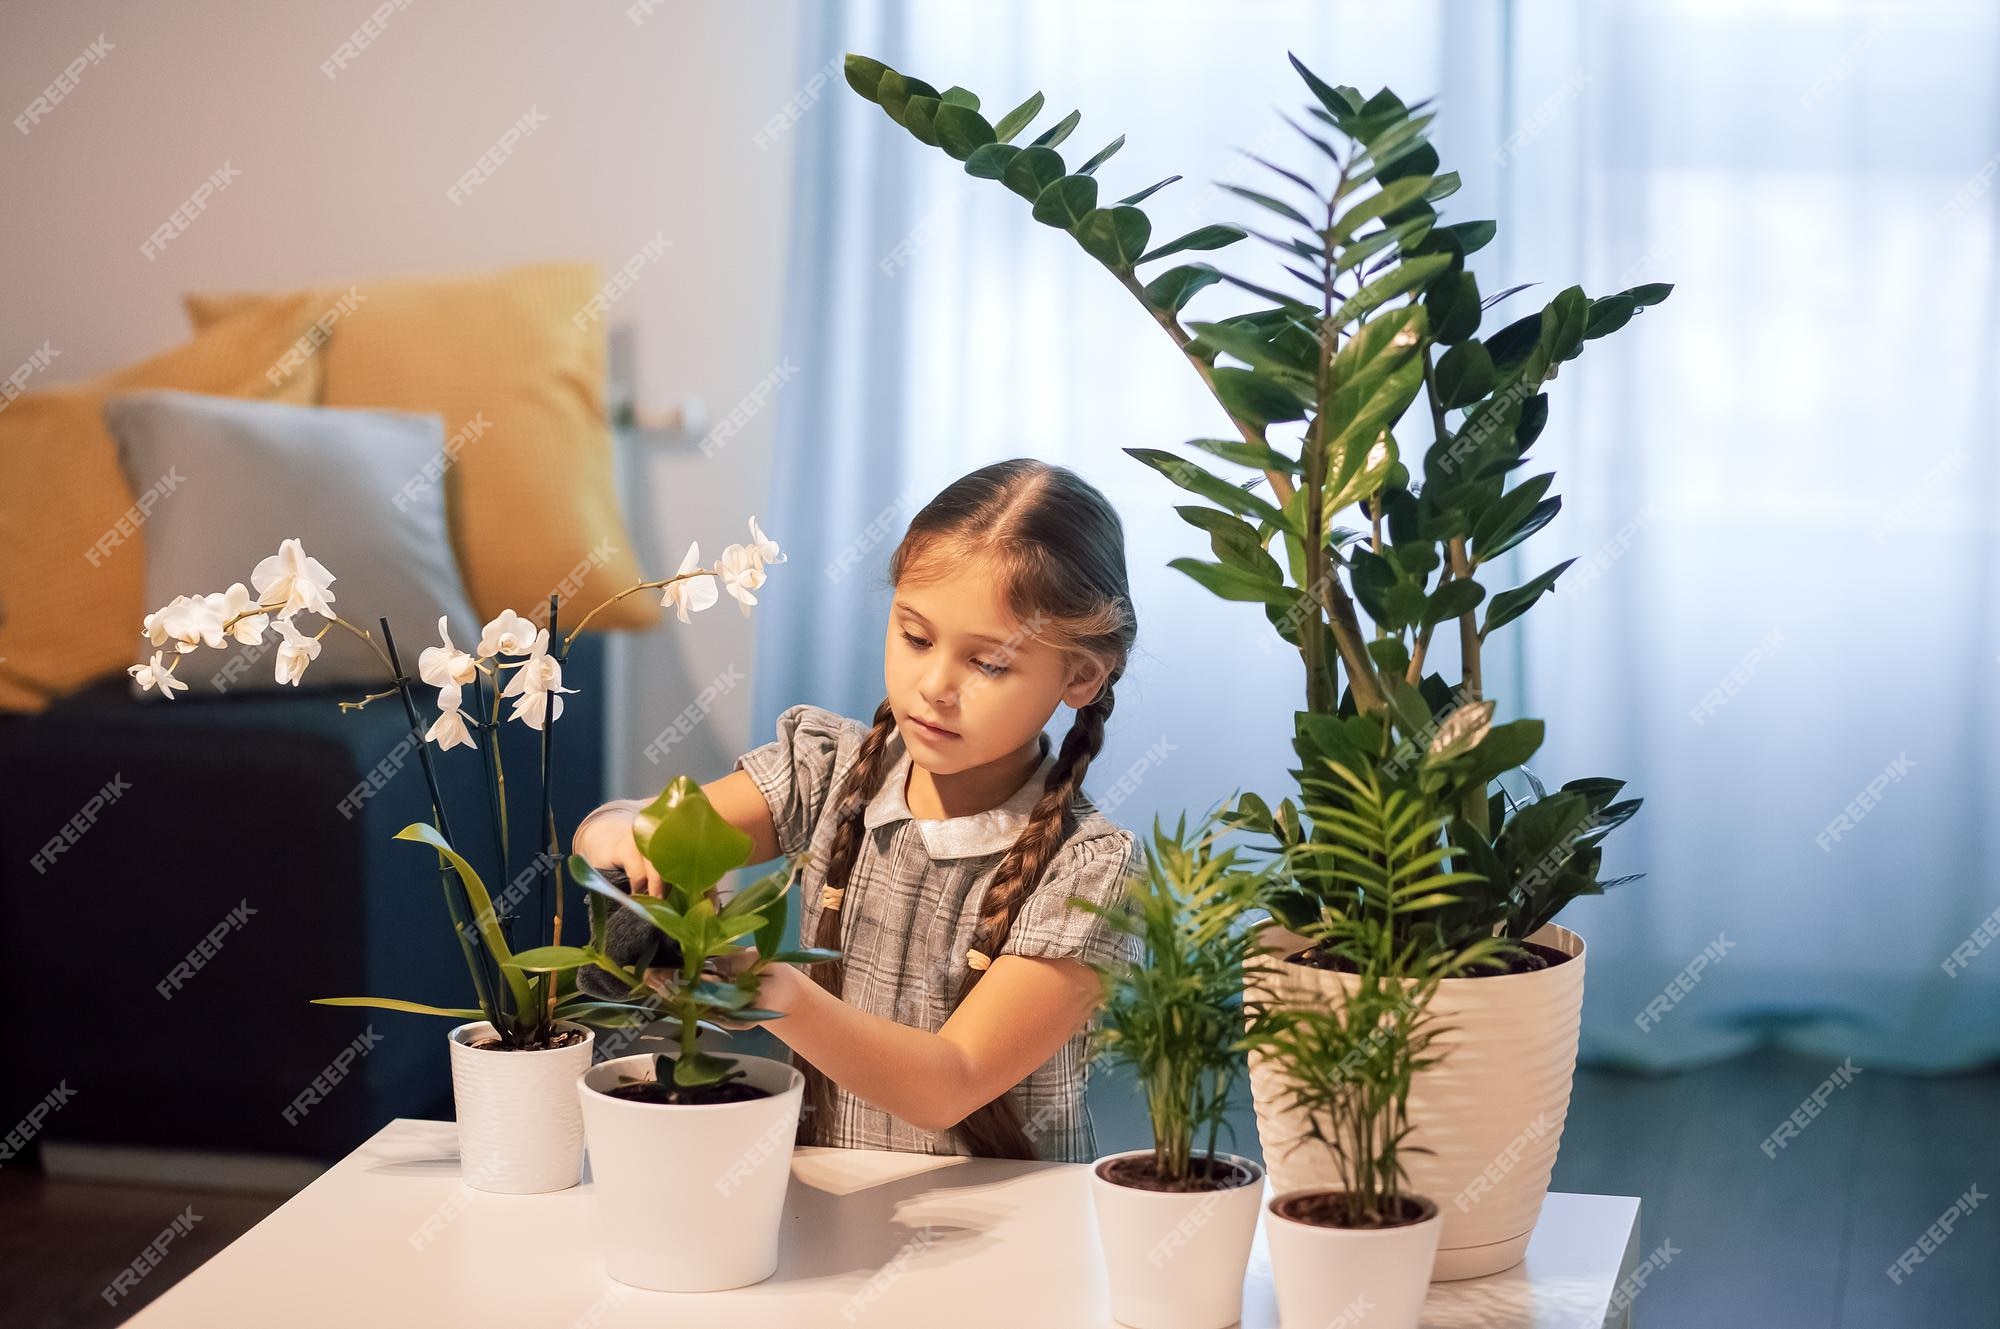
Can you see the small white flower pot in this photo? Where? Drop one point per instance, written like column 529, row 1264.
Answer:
column 519, row 1130
column 690, row 1197
column 1335, row 1277
column 1175, row 1259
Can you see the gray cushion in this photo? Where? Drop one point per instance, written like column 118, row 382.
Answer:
column 235, row 478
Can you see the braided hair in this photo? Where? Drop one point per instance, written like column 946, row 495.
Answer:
column 1057, row 551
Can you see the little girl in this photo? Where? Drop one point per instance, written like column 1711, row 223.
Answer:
column 946, row 837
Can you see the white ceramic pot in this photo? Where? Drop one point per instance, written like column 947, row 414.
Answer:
column 519, row 1130
column 1490, row 1113
column 1335, row 1277
column 1173, row 1259
column 690, row 1198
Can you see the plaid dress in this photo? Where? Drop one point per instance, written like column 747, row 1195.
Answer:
column 912, row 905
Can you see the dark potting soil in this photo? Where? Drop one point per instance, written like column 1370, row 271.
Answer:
column 1538, row 957
column 1335, row 1209
column 652, row 1091
column 1140, row 1173
column 561, row 1038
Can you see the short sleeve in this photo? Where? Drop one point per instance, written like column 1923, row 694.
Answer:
column 1096, row 869
column 795, row 771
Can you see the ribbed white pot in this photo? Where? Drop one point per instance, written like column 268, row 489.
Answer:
column 1490, row 1113
column 1175, row 1260
column 690, row 1198
column 1335, row 1276
column 519, row 1130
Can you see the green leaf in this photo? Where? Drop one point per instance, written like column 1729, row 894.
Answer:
column 957, row 96
column 1510, row 605
column 918, row 113
column 1254, row 350
column 1459, row 596
column 687, row 841
column 1103, row 155
column 1206, row 237
column 1217, row 490
column 1472, row 236
column 1114, row 236
column 1257, row 397
column 1508, row 511
column 961, row 130
column 1404, row 276
column 1453, row 305
column 895, row 91
column 1258, row 456
column 989, row 161
column 864, row 75
column 1133, row 199
column 392, row 1004
column 1031, row 171
column 1172, row 289
column 554, row 958
column 1464, row 374
column 484, row 920
column 1057, row 132
column 697, row 1068
column 1279, row 206
column 806, row 955
column 1235, row 584
column 1017, row 119
column 1065, row 203
column 1544, row 512
column 1395, row 194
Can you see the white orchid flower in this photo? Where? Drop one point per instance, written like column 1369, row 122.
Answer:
column 226, row 605
column 696, row 593
column 156, row 675
column 294, row 652
column 763, row 547
column 439, row 665
column 296, row 581
column 449, row 730
column 509, row 634
column 187, row 621
column 537, row 681
column 741, row 574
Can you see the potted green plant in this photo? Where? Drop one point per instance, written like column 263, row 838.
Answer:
column 1371, row 542
column 1176, row 1221
column 1364, row 1237
column 695, row 1123
column 516, row 1053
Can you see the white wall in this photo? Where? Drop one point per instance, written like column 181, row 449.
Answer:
column 648, row 126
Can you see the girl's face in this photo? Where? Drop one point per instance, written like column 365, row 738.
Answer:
column 958, row 658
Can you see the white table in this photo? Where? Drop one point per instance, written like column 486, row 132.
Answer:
column 388, row 1237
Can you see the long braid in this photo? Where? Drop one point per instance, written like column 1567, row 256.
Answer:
column 995, row 1129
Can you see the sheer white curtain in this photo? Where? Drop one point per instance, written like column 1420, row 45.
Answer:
column 1778, row 482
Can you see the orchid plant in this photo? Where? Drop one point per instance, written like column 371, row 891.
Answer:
column 521, row 994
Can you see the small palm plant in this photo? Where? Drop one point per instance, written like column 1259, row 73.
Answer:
column 1175, row 1019
column 1348, row 1065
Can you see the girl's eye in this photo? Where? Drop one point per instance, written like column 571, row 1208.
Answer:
column 920, row 643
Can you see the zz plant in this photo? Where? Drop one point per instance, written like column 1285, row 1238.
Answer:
column 1380, row 314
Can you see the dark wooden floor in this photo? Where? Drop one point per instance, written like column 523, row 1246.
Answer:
column 1800, row 1241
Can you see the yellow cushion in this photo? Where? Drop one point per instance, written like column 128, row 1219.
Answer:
column 530, row 498
column 72, row 531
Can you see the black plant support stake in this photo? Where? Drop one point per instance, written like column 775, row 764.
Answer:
column 456, row 900
column 505, row 903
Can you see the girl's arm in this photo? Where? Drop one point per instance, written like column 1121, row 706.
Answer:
column 1012, row 1022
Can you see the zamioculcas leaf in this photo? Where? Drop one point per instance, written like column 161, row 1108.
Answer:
column 1279, row 206
column 864, row 75
column 1067, row 202
column 1405, row 276
column 1172, row 289
column 1212, row 487
column 1103, row 155
column 1543, row 513
column 918, row 112
column 1259, row 398
column 1053, row 136
column 1208, row 237
column 1253, row 350
column 1261, row 456
column 1508, row 510
column 1464, row 375
column 961, row 130
column 1146, row 193
column 1563, row 323
column 1017, row 119
column 1235, row 584
column 1453, row 305
column 1031, row 171
column 895, row 91
column 1459, row 596
column 956, row 96
column 1385, row 200
column 1510, row 605
column 1472, row 236
column 1115, row 237
column 989, row 162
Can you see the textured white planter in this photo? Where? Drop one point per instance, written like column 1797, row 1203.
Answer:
column 519, row 1130
column 1175, row 1260
column 1491, row 1112
column 1334, row 1276
column 690, row 1198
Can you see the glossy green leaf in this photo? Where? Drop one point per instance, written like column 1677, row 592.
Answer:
column 1453, row 306
column 484, row 920
column 1133, row 199
column 1257, row 397
column 1114, row 236
column 1172, row 289
column 687, row 841
column 1032, row 170
column 1017, row 119
column 1214, row 488
column 1510, row 605
column 1206, row 237
column 1464, row 374
column 1054, row 135
column 989, row 161
column 1065, row 203
column 961, row 130
column 1233, row 583
column 1455, row 597
column 1102, row 156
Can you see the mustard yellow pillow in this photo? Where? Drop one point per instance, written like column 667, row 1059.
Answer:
column 72, row 531
column 529, row 491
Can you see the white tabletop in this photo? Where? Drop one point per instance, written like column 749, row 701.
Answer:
column 388, row 1237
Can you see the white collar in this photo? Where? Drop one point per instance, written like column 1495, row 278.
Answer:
column 987, row 832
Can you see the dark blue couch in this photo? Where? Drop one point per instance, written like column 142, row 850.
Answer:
column 256, row 799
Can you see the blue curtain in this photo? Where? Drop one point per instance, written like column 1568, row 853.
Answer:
column 1780, row 629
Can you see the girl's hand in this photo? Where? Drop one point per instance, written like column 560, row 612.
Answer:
column 607, row 843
